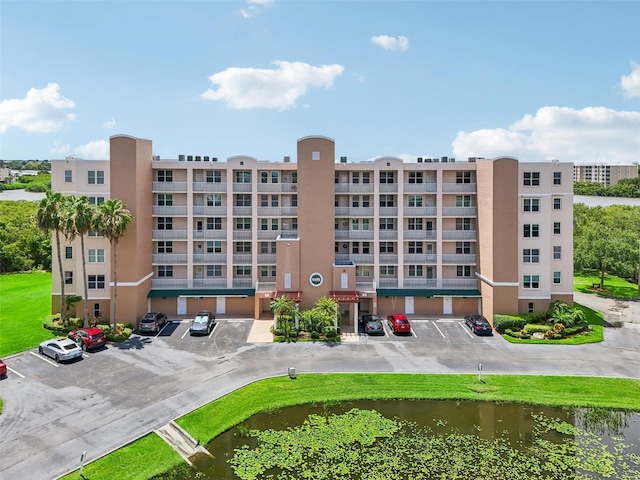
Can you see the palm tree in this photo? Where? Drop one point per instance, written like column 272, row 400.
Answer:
column 50, row 218
column 112, row 220
column 283, row 308
column 329, row 309
column 81, row 219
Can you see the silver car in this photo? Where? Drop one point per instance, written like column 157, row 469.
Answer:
column 60, row 349
column 203, row 323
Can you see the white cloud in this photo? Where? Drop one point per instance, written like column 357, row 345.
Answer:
column 279, row 88
column 593, row 134
column 109, row 124
column 391, row 43
column 42, row 111
column 253, row 7
column 630, row 84
column 60, row 149
column 96, row 150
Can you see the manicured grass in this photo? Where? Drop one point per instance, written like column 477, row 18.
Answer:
column 594, row 319
column 26, row 300
column 614, row 287
column 141, row 462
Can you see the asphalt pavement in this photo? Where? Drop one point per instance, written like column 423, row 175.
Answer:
column 53, row 413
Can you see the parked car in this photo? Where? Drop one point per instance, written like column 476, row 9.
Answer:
column 152, row 322
column 373, row 325
column 60, row 349
column 203, row 323
column 398, row 323
column 478, row 324
column 88, row 338
column 3, row 369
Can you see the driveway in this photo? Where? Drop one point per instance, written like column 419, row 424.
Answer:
column 624, row 313
column 53, row 413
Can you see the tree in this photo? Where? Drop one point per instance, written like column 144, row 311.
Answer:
column 80, row 220
column 49, row 217
column 112, row 220
column 328, row 309
column 283, row 308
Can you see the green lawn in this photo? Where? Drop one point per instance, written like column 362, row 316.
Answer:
column 25, row 301
column 615, row 287
column 138, row 461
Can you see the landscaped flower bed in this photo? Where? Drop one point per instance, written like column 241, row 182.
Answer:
column 559, row 322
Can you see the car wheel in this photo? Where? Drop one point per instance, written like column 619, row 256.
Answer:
column 84, row 347
column 40, row 351
column 57, row 358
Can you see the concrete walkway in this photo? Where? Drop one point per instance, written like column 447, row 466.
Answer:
column 181, row 441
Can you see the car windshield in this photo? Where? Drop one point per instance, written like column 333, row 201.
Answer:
column 402, row 320
column 200, row 320
column 148, row 320
column 374, row 323
column 97, row 335
column 69, row 346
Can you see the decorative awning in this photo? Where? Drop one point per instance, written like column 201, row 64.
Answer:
column 341, row 296
column 296, row 296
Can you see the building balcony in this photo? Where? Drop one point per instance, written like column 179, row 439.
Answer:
column 266, row 258
column 169, row 186
column 209, row 258
column 241, row 187
column 169, row 211
column 459, row 235
column 369, row 287
column 458, row 187
column 277, row 187
column 242, row 235
column 168, row 283
column 388, row 234
column 220, row 187
column 419, row 258
column 419, row 234
column 210, row 234
column 388, row 211
column 388, row 283
column 354, row 212
column 209, row 211
column 169, row 234
column 169, row 258
column 209, row 283
column 277, row 211
column 459, row 211
column 242, row 283
column 459, row 259
column 420, row 187
column 419, row 282
column 268, row 234
column 388, row 259
column 462, row 283
column 242, row 259
column 420, row 211
column 265, row 287
column 242, row 211
column 388, row 188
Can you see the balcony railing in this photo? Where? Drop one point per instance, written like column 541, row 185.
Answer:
column 458, row 187
column 459, row 211
column 413, row 282
column 276, row 211
column 459, row 258
column 419, row 211
column 242, row 283
column 389, row 211
column 388, row 187
column 210, row 234
column 200, row 210
column 459, row 235
column 420, row 187
column 366, row 287
column 169, row 258
column 209, row 283
column 354, row 211
column 459, row 283
column 420, row 258
column 388, row 234
column 220, row 187
column 209, row 258
column 242, row 211
column 242, row 235
column 266, row 258
column 242, row 259
column 241, row 187
column 169, row 186
column 419, row 234
column 388, row 283
column 171, row 211
column 169, row 234
column 265, row 287
column 169, row 283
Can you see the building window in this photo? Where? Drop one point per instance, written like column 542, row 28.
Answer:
column 387, row 200
column 165, row 176
column 243, row 247
column 214, row 176
column 387, row 177
column 463, row 200
column 387, row 270
column 275, row 224
column 96, row 200
column 531, row 281
column 366, row 224
column 365, row 247
column 243, row 271
column 557, row 203
column 96, row 255
column 531, row 179
column 414, row 224
column 415, row 270
column 165, row 247
column 243, row 176
column 557, row 278
column 557, row 178
column 355, row 201
column 165, row 199
column 165, row 223
column 268, row 271
column 267, row 247
column 243, row 200
column 214, row 247
column 355, row 177
column 415, row 201
column 243, row 223
column 463, row 248
column 294, row 200
column 415, row 177
column 531, row 255
column 214, row 223
column 415, row 247
column 366, row 177
column 95, row 281
column 387, row 247
column 214, row 200
column 531, row 230
column 386, row 224
column 463, row 224
column 556, row 228
column 363, row 271
column 68, row 176
column 531, row 204
column 68, row 278
column 165, row 271
column 463, row 271
column 68, row 253
column 275, row 177
column 95, row 177
column 264, row 224
column 214, row 270
column 463, row 177
column 557, row 252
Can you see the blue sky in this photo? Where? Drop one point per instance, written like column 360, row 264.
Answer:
column 534, row 80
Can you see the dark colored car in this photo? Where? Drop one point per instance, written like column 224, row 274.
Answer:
column 88, row 338
column 398, row 323
column 478, row 324
column 203, row 323
column 373, row 325
column 152, row 322
column 3, row 369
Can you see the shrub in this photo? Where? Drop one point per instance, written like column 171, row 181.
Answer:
column 315, row 335
column 576, row 329
column 293, row 334
column 504, row 322
column 330, row 332
column 120, row 335
column 534, row 327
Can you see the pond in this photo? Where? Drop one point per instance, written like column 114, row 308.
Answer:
column 478, row 429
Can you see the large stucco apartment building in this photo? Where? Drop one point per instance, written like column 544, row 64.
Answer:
column 429, row 237
column 604, row 173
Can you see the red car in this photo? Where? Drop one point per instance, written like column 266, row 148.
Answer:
column 3, row 369
column 398, row 323
column 88, row 338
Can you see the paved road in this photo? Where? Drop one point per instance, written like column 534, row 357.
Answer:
column 101, row 402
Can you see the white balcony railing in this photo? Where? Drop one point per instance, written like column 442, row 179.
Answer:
column 209, row 258
column 210, row 211
column 459, row 235
column 169, row 234
column 169, row 186
column 419, row 234
column 458, row 187
column 459, row 258
column 220, row 187
column 459, row 211
column 169, row 258
column 169, row 211
column 210, row 234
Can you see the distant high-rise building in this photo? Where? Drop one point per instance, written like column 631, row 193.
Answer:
column 604, row 173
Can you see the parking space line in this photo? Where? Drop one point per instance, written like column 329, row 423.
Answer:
column 12, row 370
column 464, row 327
column 44, row 359
column 439, row 331
column 412, row 332
column 213, row 329
column 184, row 334
column 85, row 355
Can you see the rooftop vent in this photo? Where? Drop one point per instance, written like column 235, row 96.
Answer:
column 419, row 159
column 156, row 158
column 181, row 158
column 189, row 158
column 205, row 158
column 428, row 160
column 343, row 159
column 214, row 159
column 287, row 159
